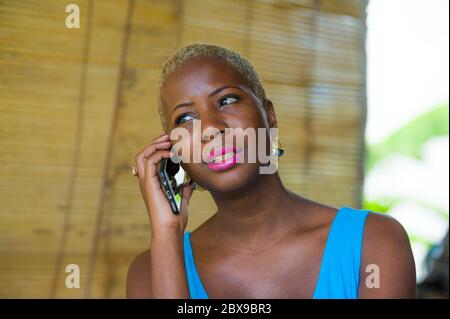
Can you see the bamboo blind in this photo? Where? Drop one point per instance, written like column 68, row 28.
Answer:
column 77, row 104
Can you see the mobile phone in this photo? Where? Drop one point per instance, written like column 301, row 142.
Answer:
column 171, row 177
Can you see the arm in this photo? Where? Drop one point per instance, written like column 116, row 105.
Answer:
column 159, row 272
column 168, row 273
column 138, row 279
column 387, row 254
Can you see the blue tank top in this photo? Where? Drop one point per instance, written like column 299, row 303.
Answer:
column 340, row 265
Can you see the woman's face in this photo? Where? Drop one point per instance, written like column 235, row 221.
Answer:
column 208, row 90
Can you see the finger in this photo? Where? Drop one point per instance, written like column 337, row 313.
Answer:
column 140, row 158
column 161, row 138
column 156, row 146
column 151, row 177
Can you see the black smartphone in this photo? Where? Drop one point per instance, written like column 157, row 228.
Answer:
column 171, row 177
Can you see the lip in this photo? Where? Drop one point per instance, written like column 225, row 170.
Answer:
column 225, row 164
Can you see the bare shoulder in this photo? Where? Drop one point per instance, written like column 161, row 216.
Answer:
column 386, row 232
column 387, row 251
column 138, row 278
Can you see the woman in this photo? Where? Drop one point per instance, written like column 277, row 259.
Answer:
column 264, row 241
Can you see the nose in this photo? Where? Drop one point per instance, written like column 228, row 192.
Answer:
column 212, row 125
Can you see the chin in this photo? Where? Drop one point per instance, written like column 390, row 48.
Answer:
column 230, row 180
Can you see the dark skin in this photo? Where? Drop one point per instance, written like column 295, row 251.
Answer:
column 254, row 248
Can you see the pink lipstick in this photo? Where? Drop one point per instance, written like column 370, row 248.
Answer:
column 223, row 158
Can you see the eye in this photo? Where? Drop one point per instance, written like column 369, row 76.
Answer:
column 229, row 99
column 183, row 118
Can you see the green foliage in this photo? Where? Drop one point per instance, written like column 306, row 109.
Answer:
column 410, row 139
column 381, row 205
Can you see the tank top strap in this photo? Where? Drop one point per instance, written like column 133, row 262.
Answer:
column 340, row 266
column 196, row 289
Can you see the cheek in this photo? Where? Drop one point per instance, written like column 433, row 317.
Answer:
column 189, row 148
column 246, row 116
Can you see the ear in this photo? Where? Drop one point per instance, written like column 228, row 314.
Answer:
column 268, row 105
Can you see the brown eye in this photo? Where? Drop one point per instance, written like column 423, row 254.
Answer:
column 183, row 118
column 229, row 99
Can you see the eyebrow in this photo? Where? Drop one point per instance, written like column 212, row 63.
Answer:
column 215, row 92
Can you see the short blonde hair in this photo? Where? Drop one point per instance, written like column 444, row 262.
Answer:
column 235, row 60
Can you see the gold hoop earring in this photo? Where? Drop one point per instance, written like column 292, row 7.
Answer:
column 277, row 147
column 188, row 180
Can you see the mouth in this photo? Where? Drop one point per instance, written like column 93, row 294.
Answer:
column 223, row 158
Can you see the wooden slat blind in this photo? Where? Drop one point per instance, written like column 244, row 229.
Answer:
column 77, row 104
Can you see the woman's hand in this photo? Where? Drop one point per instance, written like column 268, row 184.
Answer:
column 162, row 219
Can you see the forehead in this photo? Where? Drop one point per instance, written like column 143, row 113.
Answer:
column 199, row 75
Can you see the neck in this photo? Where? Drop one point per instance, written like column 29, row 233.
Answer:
column 259, row 213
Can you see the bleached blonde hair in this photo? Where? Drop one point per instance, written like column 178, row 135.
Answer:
column 235, row 60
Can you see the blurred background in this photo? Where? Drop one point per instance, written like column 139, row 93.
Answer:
column 360, row 89
column 407, row 154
